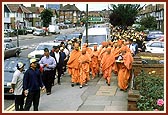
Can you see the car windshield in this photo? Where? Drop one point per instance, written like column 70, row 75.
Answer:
column 155, row 32
column 94, row 39
column 69, row 37
column 10, row 65
column 60, row 38
column 39, row 30
column 41, row 47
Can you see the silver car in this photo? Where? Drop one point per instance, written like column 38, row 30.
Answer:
column 10, row 50
column 39, row 32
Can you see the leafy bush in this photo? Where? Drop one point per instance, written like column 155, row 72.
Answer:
column 21, row 31
column 151, row 88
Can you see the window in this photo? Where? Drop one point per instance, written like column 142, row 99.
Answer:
column 94, row 39
column 156, row 44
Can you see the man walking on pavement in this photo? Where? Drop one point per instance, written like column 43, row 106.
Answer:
column 32, row 83
column 17, row 86
column 57, row 56
column 48, row 63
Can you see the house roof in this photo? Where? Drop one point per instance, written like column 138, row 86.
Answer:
column 69, row 7
column 25, row 10
column 33, row 9
column 6, row 8
column 14, row 8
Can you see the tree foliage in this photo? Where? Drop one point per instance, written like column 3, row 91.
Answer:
column 124, row 14
column 149, row 22
column 46, row 15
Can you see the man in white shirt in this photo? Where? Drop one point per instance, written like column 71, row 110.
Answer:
column 17, row 87
column 131, row 46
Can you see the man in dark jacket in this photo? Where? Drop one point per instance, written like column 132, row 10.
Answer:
column 59, row 63
column 32, row 83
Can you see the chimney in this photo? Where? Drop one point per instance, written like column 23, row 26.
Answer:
column 41, row 6
column 33, row 5
column 61, row 5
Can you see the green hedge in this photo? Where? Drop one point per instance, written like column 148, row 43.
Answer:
column 21, row 31
column 151, row 88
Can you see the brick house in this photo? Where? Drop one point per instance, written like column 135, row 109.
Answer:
column 69, row 13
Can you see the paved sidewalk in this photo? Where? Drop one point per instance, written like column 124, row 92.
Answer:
column 97, row 96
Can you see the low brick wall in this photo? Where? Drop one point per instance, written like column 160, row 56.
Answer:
column 133, row 96
column 138, row 66
column 158, row 68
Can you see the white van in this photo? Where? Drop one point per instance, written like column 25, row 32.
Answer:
column 54, row 29
column 95, row 36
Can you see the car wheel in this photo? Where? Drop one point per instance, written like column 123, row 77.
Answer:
column 17, row 54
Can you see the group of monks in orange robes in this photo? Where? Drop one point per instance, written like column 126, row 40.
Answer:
column 111, row 57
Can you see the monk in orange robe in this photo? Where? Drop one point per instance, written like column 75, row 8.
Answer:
column 73, row 64
column 102, row 52
column 124, row 68
column 106, row 64
column 114, row 49
column 84, row 62
column 88, row 49
column 94, row 62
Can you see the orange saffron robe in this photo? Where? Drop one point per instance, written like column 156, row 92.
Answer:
column 84, row 62
column 124, row 71
column 107, row 63
column 94, row 63
column 73, row 66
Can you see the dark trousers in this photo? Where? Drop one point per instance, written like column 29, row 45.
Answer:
column 53, row 76
column 19, row 102
column 59, row 70
column 32, row 97
column 48, row 80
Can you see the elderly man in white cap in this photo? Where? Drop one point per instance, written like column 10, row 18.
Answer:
column 17, row 86
column 32, row 83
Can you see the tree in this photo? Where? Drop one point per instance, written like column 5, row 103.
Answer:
column 149, row 22
column 124, row 14
column 46, row 15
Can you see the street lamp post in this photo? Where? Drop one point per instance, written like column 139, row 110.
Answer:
column 86, row 23
column 17, row 24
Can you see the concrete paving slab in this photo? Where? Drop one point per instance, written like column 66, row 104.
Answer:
column 63, row 98
column 121, row 98
column 95, row 102
column 98, row 98
column 115, row 108
column 91, row 108
column 119, row 103
column 107, row 90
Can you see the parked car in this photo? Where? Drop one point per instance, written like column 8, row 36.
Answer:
column 39, row 50
column 62, row 26
column 155, row 47
column 153, row 35
column 161, row 38
column 8, row 30
column 60, row 38
column 54, row 29
column 9, row 69
column 39, row 32
column 7, row 38
column 31, row 29
column 11, row 50
column 77, row 35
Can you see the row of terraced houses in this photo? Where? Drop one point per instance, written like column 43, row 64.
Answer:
column 18, row 14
